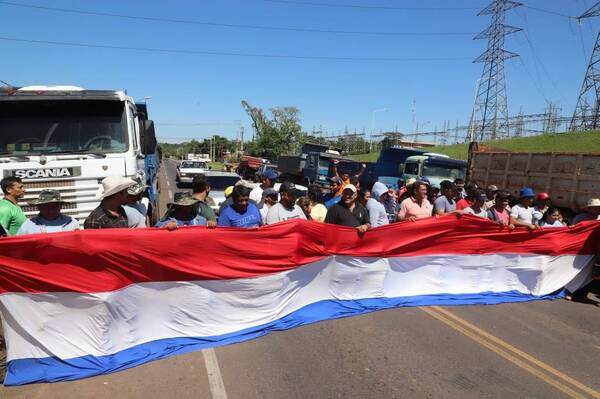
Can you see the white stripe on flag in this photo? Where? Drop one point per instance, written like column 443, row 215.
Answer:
column 70, row 325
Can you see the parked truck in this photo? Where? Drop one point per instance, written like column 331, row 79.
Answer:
column 248, row 166
column 570, row 179
column 388, row 168
column 313, row 166
column 435, row 167
column 69, row 139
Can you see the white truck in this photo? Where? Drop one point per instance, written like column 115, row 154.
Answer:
column 188, row 170
column 434, row 167
column 199, row 157
column 68, row 139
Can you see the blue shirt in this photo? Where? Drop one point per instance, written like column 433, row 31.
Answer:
column 197, row 221
column 38, row 224
column 229, row 217
column 331, row 202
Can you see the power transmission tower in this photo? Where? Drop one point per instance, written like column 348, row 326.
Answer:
column 590, row 90
column 489, row 119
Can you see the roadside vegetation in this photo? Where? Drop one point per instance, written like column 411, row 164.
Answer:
column 579, row 142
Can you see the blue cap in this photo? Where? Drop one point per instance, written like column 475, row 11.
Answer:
column 526, row 192
column 270, row 174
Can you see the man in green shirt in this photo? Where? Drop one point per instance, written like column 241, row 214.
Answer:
column 200, row 190
column 11, row 214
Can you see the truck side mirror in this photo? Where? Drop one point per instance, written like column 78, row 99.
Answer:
column 148, row 137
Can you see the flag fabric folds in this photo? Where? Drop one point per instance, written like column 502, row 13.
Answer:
column 84, row 303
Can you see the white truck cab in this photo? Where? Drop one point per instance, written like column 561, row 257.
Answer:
column 435, row 167
column 68, row 139
column 187, row 170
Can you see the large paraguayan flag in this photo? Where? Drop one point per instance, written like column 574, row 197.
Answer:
column 85, row 303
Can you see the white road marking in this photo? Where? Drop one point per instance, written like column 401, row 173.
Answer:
column 170, row 194
column 215, row 380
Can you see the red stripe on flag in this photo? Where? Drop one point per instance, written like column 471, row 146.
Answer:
column 107, row 260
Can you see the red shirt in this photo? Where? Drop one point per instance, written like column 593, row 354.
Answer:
column 464, row 203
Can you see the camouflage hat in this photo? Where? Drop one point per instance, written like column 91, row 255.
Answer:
column 48, row 197
column 138, row 188
column 183, row 199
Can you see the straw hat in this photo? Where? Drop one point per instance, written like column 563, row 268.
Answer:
column 114, row 184
column 592, row 203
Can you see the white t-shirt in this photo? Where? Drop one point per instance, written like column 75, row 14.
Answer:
column 256, row 194
column 279, row 213
column 522, row 214
column 263, row 213
column 482, row 212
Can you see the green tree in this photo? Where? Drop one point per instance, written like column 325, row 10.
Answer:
column 279, row 134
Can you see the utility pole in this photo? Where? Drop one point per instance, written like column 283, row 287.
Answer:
column 590, row 89
column 490, row 110
column 241, row 138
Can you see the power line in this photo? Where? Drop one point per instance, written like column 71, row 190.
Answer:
column 559, row 14
column 233, row 54
column 358, row 6
column 227, row 25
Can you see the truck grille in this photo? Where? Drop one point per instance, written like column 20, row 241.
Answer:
column 33, row 209
column 49, row 184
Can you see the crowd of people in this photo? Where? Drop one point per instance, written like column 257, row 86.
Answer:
column 344, row 203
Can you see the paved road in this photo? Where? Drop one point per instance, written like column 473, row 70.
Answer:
column 532, row 350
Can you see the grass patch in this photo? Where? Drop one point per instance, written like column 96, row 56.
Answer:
column 577, row 142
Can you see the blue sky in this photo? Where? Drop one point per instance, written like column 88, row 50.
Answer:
column 206, row 90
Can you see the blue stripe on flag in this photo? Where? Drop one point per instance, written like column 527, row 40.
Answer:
column 51, row 369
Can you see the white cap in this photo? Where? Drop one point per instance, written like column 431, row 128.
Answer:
column 114, row 184
column 350, row 187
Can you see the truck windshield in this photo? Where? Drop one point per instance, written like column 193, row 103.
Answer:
column 49, row 126
column 193, row 165
column 444, row 171
column 220, row 183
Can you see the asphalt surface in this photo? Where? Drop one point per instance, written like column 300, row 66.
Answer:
column 542, row 349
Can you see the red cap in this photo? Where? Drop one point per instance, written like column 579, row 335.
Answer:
column 543, row 196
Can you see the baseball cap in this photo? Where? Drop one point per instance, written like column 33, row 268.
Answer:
column 351, row 187
column 480, row 196
column 270, row 174
column 287, row 187
column 492, row 188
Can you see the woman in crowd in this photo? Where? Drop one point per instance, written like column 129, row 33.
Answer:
column 306, row 205
column 363, row 196
column 552, row 218
column 318, row 211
